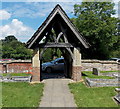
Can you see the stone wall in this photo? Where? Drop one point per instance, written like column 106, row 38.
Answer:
column 21, row 66
column 17, row 66
column 88, row 65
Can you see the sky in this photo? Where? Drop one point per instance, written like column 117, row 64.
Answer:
column 22, row 19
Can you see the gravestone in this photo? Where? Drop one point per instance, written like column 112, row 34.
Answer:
column 117, row 97
column 117, row 90
column 96, row 71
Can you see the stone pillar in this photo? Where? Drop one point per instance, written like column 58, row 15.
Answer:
column 36, row 65
column 76, row 67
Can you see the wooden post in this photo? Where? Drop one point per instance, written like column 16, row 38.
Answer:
column 36, row 65
column 76, row 67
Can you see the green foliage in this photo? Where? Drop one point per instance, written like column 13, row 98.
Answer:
column 47, row 56
column 95, row 22
column 21, row 94
column 12, row 48
column 50, row 53
column 10, row 38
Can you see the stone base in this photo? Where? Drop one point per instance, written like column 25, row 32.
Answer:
column 36, row 74
column 76, row 73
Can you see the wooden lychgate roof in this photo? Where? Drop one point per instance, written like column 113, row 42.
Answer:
column 60, row 22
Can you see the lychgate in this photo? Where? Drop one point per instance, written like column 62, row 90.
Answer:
column 58, row 32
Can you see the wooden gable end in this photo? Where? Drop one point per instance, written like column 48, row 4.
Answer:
column 60, row 22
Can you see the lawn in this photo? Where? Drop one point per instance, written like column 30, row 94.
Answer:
column 90, row 75
column 93, row 97
column 108, row 71
column 21, row 94
column 16, row 74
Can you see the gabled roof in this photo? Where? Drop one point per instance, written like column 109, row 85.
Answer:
column 39, row 34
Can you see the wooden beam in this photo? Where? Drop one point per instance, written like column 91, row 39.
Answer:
column 64, row 32
column 69, row 50
column 48, row 45
column 59, row 35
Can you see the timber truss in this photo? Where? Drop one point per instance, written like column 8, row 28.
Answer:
column 57, row 31
column 55, row 39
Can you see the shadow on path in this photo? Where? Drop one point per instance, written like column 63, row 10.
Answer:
column 52, row 75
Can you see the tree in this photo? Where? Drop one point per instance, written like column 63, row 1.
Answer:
column 49, row 54
column 10, row 38
column 12, row 48
column 95, row 22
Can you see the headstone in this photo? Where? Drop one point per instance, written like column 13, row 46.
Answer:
column 116, row 75
column 117, row 90
column 96, row 71
column 117, row 98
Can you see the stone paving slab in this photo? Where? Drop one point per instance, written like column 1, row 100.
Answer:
column 57, row 94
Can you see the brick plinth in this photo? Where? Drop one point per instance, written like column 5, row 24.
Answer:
column 76, row 73
column 36, row 74
column 15, row 67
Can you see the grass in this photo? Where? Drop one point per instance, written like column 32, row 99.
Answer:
column 16, row 74
column 93, row 97
column 90, row 75
column 108, row 71
column 21, row 94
